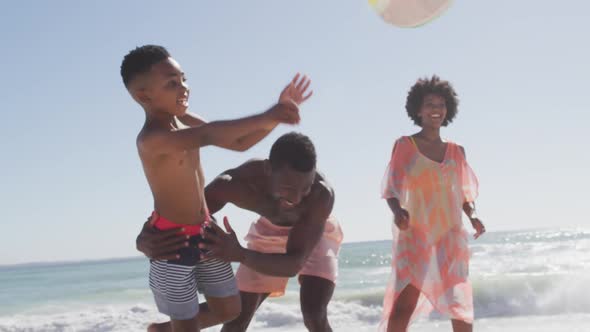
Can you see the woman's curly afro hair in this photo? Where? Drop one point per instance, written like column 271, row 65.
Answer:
column 433, row 85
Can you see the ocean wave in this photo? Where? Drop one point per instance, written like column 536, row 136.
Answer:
column 526, row 294
column 510, row 295
column 494, row 297
column 99, row 319
column 536, row 236
column 518, row 274
column 270, row 316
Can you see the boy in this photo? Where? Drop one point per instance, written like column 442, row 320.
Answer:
column 168, row 146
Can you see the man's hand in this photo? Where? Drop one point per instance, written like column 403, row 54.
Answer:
column 402, row 219
column 478, row 226
column 295, row 91
column 221, row 245
column 160, row 245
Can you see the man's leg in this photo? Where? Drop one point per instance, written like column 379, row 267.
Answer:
column 250, row 303
column 315, row 294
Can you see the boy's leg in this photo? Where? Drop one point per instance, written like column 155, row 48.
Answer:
column 250, row 303
column 218, row 310
column 216, row 280
column 175, row 293
column 188, row 325
column 315, row 294
column 215, row 311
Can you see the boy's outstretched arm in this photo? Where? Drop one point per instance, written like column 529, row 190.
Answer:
column 192, row 120
column 294, row 93
column 238, row 134
column 226, row 134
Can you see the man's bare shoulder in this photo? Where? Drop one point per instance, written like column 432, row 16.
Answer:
column 247, row 175
column 322, row 194
column 248, row 171
column 323, row 187
column 318, row 206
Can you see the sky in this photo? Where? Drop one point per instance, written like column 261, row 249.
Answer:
column 71, row 184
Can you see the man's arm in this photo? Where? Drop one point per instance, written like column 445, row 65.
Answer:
column 228, row 187
column 160, row 245
column 303, row 238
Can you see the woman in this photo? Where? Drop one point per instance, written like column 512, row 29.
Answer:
column 427, row 185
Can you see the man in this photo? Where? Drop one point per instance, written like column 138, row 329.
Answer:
column 295, row 233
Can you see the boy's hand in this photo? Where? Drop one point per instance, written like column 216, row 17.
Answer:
column 160, row 245
column 285, row 113
column 295, row 91
column 478, row 226
column 402, row 219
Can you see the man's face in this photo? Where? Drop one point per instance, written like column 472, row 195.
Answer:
column 289, row 186
column 167, row 89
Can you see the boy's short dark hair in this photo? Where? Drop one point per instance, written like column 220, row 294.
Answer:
column 294, row 150
column 140, row 60
column 426, row 86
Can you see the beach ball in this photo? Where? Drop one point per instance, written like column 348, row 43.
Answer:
column 409, row 13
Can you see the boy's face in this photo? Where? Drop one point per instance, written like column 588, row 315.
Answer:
column 433, row 111
column 289, row 186
column 167, row 90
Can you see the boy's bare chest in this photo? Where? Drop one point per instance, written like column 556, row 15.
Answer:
column 189, row 160
column 180, row 168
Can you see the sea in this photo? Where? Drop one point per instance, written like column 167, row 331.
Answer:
column 529, row 280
